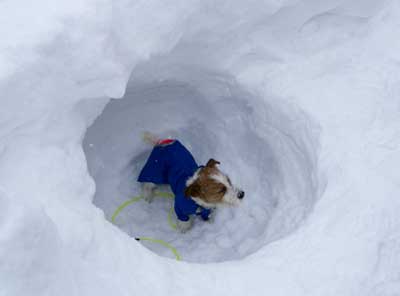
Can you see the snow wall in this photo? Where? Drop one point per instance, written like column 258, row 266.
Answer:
column 297, row 99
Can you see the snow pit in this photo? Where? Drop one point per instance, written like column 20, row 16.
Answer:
column 268, row 149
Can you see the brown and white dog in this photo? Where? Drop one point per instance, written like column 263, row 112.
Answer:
column 209, row 187
column 198, row 189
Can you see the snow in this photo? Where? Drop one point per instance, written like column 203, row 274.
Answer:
column 297, row 99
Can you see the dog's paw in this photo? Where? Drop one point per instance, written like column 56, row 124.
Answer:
column 148, row 198
column 211, row 216
column 184, row 226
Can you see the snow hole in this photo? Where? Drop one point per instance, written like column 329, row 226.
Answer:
column 267, row 146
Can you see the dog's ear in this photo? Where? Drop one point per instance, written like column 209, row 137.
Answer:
column 212, row 163
column 193, row 190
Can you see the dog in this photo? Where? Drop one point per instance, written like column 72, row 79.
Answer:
column 198, row 190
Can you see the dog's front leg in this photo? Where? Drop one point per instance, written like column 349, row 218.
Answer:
column 148, row 191
column 184, row 226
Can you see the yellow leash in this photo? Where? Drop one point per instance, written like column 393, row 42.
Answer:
column 123, row 206
column 161, row 242
column 170, row 222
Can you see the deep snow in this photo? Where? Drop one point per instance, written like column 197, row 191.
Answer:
column 311, row 85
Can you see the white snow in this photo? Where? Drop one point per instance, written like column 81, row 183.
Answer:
column 297, row 99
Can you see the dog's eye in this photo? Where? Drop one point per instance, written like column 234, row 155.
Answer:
column 223, row 190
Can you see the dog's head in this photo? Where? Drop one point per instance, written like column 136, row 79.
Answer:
column 209, row 187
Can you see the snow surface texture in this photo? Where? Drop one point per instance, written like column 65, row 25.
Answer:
column 310, row 88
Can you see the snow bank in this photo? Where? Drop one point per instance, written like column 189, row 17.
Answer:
column 323, row 75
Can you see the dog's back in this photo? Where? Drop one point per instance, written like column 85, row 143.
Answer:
column 168, row 162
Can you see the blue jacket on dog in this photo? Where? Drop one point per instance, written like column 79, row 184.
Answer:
column 173, row 164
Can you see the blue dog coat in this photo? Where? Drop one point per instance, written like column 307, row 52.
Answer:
column 171, row 163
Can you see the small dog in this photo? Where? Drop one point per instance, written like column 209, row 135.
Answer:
column 198, row 190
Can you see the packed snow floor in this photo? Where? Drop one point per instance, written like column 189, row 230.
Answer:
column 298, row 99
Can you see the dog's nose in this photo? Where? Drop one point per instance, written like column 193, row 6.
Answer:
column 240, row 194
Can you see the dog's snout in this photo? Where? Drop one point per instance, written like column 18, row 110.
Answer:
column 240, row 194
